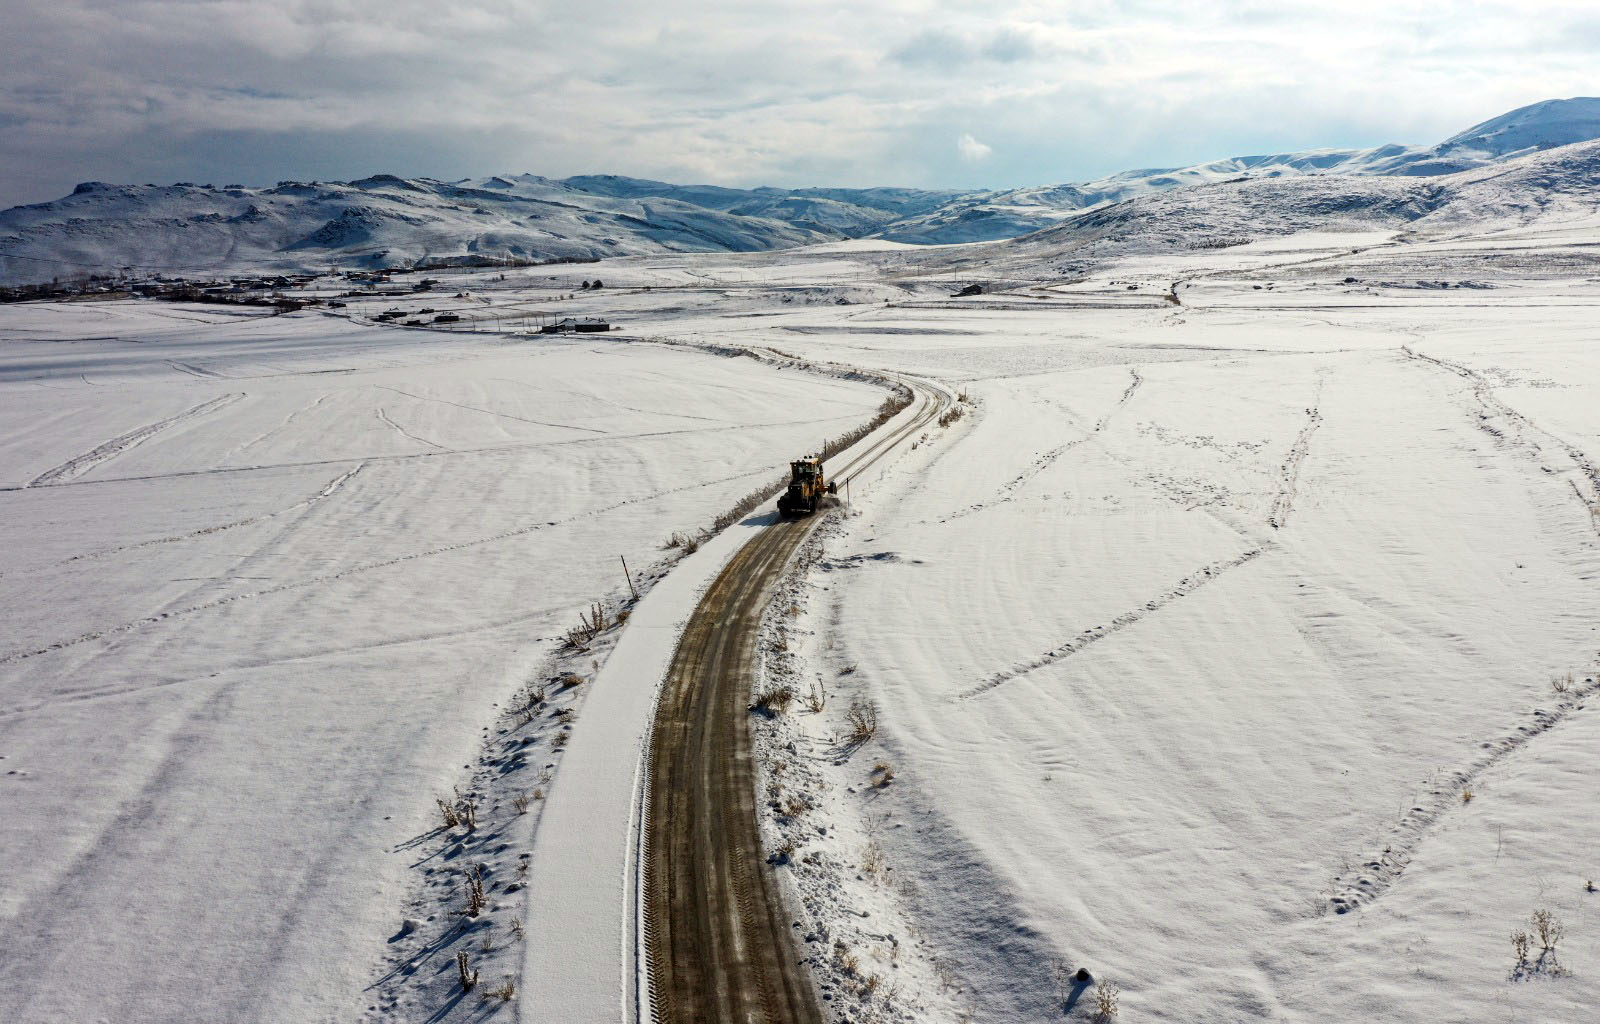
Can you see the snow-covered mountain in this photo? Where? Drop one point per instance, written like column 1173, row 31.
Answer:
column 1558, row 183
column 1012, row 212
column 389, row 221
column 378, row 221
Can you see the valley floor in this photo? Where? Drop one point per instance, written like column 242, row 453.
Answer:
column 1212, row 648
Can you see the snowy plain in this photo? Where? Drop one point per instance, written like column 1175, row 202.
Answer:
column 1189, row 640
column 265, row 581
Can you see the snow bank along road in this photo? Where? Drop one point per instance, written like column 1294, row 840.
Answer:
column 720, row 947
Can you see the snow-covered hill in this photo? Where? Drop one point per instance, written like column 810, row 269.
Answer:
column 1562, row 182
column 1012, row 212
column 378, row 221
column 389, row 221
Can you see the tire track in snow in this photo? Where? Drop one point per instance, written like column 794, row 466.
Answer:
column 287, row 420
column 491, row 412
column 1008, row 491
column 1494, row 412
column 81, row 464
column 151, row 620
column 1184, row 587
column 195, row 371
column 384, row 416
column 327, row 492
column 402, row 456
column 1379, row 871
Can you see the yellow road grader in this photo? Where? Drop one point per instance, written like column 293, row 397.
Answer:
column 807, row 485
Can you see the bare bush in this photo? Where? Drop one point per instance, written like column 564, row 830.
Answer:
column 507, row 990
column 448, row 813
column 1562, row 684
column 882, row 774
column 590, row 625
column 863, row 718
column 816, row 699
column 1105, row 1001
column 1519, row 949
column 1547, row 928
column 520, row 802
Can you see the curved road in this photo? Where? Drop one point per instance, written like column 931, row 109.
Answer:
column 721, row 948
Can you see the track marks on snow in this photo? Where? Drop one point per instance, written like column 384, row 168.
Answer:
column 1505, row 424
column 1289, row 472
column 327, row 492
column 383, row 415
column 1127, row 396
column 1183, row 588
column 1008, row 491
column 1379, row 870
column 490, row 412
column 355, row 570
column 81, row 464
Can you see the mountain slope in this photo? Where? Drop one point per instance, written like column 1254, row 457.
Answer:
column 1558, row 183
column 1009, row 213
column 378, row 221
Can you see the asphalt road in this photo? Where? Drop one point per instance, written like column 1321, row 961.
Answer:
column 722, row 949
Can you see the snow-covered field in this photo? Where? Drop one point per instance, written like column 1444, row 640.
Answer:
column 1212, row 647
column 265, row 581
column 1215, row 656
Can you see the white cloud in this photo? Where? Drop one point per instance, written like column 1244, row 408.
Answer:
column 971, row 149
column 785, row 92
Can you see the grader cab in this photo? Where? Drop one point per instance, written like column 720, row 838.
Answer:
column 807, row 485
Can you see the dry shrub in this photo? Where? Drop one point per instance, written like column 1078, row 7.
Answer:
column 465, row 971
column 520, row 802
column 477, row 899
column 507, row 990
column 872, row 864
column 863, row 718
column 1105, row 1001
column 775, row 699
column 816, row 699
column 448, row 812
column 688, row 543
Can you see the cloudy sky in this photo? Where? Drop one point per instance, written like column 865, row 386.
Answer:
column 783, row 92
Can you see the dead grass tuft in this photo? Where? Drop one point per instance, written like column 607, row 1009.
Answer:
column 507, row 990
column 465, row 971
column 775, row 699
column 477, row 899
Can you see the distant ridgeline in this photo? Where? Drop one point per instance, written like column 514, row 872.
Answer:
column 118, row 231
